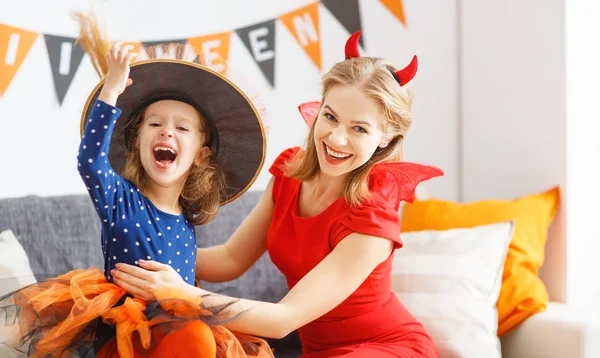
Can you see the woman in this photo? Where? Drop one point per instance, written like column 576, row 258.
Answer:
column 329, row 220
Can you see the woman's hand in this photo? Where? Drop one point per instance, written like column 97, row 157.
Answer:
column 117, row 78
column 145, row 281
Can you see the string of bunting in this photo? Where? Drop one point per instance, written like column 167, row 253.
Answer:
column 65, row 54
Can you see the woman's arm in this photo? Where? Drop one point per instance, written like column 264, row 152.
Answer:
column 247, row 244
column 328, row 284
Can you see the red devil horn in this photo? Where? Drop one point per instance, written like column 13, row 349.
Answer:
column 352, row 45
column 408, row 72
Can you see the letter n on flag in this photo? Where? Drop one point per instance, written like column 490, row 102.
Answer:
column 213, row 50
column 15, row 44
column 303, row 23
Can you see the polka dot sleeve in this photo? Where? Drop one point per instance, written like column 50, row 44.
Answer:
column 115, row 199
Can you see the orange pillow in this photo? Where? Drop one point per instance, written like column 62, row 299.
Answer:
column 523, row 293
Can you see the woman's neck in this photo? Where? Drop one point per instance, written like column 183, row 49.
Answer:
column 325, row 188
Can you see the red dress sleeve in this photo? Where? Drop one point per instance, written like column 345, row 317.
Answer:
column 277, row 169
column 389, row 184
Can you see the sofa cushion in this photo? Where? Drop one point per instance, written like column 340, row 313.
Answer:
column 523, row 293
column 15, row 271
column 58, row 233
column 450, row 281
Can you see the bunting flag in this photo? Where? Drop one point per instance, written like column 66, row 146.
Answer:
column 347, row 12
column 65, row 56
column 304, row 25
column 212, row 50
column 137, row 48
column 396, row 8
column 14, row 46
column 259, row 39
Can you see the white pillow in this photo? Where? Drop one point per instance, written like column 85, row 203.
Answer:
column 450, row 281
column 15, row 273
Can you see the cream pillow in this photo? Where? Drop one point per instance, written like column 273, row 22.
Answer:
column 15, row 273
column 450, row 281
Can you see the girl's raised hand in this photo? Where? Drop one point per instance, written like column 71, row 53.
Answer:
column 117, row 78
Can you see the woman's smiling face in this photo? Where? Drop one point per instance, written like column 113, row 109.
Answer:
column 349, row 128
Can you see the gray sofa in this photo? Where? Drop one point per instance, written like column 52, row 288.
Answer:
column 63, row 233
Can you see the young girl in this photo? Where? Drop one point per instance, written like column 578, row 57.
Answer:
column 329, row 220
column 157, row 159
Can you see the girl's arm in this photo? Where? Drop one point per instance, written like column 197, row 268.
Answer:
column 247, row 244
column 113, row 198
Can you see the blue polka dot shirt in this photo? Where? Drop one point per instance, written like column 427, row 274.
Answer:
column 132, row 227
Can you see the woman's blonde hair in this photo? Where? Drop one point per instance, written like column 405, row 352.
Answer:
column 373, row 76
column 204, row 188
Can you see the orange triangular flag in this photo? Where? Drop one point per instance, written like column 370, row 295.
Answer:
column 213, row 50
column 303, row 23
column 137, row 47
column 15, row 44
column 396, row 8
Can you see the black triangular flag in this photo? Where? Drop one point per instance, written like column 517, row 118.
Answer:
column 259, row 39
column 348, row 14
column 65, row 57
column 166, row 42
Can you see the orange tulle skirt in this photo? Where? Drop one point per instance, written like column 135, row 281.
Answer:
column 60, row 317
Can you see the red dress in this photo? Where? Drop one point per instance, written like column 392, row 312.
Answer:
column 371, row 322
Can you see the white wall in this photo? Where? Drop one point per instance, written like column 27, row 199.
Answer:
column 513, row 107
column 529, row 76
column 40, row 138
column 583, row 154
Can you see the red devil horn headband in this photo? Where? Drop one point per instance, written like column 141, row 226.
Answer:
column 403, row 76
